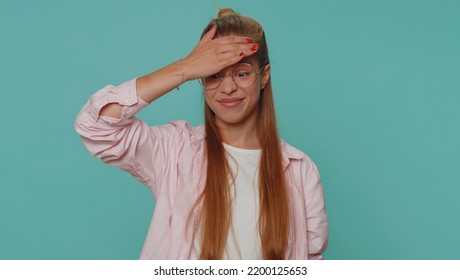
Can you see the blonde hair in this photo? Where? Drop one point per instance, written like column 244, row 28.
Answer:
column 273, row 220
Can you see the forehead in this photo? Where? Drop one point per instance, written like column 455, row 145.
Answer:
column 249, row 60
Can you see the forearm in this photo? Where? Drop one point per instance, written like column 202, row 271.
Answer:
column 151, row 87
column 208, row 57
column 156, row 84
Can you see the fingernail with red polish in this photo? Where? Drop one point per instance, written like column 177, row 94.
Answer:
column 249, row 40
column 241, row 53
column 254, row 47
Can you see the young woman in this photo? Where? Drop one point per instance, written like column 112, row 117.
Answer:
column 228, row 189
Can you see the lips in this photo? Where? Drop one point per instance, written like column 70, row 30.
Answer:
column 230, row 102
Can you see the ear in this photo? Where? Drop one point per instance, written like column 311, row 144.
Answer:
column 265, row 76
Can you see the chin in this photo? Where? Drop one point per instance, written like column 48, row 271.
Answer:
column 229, row 120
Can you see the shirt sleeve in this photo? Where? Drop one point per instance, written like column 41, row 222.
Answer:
column 128, row 143
column 317, row 224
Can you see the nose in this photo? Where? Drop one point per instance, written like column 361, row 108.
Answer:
column 228, row 85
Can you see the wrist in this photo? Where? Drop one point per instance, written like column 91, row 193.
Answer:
column 182, row 73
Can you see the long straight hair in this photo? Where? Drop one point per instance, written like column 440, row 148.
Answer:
column 273, row 220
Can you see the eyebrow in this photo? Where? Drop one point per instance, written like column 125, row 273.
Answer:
column 245, row 60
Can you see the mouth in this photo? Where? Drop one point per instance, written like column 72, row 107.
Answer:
column 230, row 102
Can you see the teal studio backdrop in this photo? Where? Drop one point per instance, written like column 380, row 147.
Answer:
column 369, row 89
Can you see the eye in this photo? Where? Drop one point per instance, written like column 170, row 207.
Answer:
column 242, row 74
column 215, row 76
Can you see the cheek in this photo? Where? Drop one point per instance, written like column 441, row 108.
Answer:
column 208, row 99
column 208, row 102
column 209, row 94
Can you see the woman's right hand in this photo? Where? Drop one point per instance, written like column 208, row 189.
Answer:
column 210, row 55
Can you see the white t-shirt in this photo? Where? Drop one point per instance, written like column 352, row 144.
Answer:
column 243, row 238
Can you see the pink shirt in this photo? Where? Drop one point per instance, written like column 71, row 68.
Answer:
column 169, row 160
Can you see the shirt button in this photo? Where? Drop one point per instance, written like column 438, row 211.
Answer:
column 128, row 100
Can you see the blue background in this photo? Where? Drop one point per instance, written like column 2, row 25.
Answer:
column 369, row 89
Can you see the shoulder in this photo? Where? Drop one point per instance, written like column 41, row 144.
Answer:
column 297, row 159
column 293, row 154
column 181, row 129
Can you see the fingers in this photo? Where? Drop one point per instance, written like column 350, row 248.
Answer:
column 234, row 40
column 246, row 48
column 226, row 42
column 230, row 51
column 234, row 56
column 233, row 44
column 209, row 35
column 211, row 54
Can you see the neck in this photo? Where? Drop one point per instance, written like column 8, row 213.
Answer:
column 241, row 135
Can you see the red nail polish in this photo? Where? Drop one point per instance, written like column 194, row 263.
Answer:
column 249, row 40
column 241, row 53
column 254, row 47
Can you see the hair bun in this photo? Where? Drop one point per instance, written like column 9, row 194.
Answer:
column 223, row 12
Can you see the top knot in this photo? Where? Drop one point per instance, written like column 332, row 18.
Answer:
column 226, row 12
